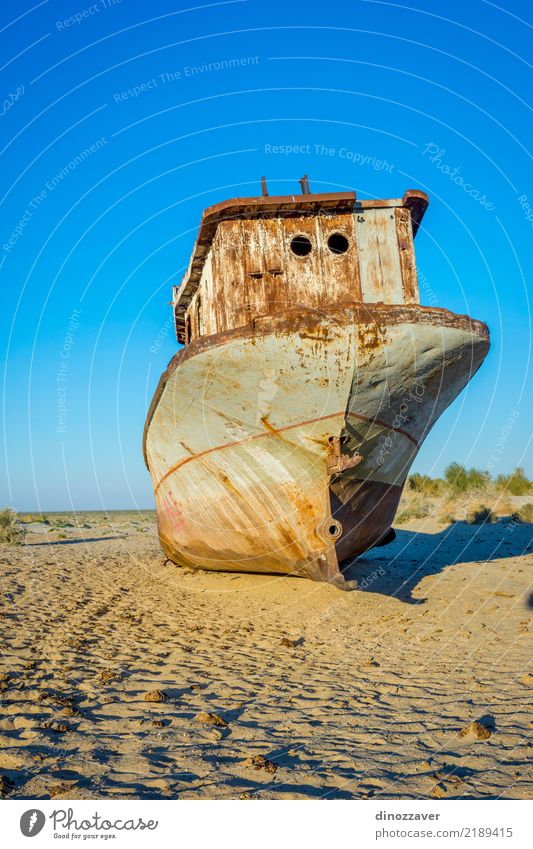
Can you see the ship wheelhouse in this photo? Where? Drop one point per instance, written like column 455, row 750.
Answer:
column 260, row 256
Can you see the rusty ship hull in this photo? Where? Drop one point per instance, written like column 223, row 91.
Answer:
column 281, row 445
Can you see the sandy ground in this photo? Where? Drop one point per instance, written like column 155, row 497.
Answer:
column 317, row 693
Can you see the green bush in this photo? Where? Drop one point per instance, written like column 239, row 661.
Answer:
column 515, row 484
column 460, row 479
column 10, row 531
column 477, row 479
column 456, row 477
column 425, row 484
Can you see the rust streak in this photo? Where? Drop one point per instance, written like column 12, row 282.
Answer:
column 269, row 426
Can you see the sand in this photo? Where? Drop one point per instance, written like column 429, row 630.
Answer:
column 309, row 692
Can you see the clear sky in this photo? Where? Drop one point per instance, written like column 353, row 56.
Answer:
column 122, row 120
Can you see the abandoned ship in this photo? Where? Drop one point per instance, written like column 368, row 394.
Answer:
column 280, row 436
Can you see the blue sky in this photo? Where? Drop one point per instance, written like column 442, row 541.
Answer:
column 122, row 121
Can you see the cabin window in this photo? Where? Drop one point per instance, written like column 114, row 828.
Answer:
column 188, row 329
column 338, row 243
column 199, row 315
column 301, row 246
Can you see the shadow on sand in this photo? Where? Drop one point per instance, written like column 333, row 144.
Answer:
column 77, row 541
column 397, row 569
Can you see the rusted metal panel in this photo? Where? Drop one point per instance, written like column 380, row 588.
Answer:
column 274, row 265
column 256, row 280
column 205, row 301
column 249, row 208
column 353, row 502
column 379, row 262
column 404, row 233
column 229, row 272
column 417, row 203
column 340, row 271
column 218, row 236
column 304, row 273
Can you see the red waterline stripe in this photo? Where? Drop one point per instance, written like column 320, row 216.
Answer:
column 384, row 424
column 279, row 430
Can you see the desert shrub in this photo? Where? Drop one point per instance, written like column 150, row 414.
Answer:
column 480, row 515
column 424, row 484
column 415, row 509
column 27, row 518
column 525, row 513
column 447, row 518
column 515, row 484
column 10, row 530
column 477, row 479
column 460, row 479
column 456, row 477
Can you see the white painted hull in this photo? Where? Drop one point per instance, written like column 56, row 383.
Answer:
column 238, row 437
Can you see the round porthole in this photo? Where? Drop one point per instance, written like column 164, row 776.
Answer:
column 338, row 244
column 335, row 530
column 329, row 530
column 301, row 246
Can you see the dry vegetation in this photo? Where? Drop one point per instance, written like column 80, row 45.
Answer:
column 468, row 495
column 11, row 531
column 19, row 528
column 524, row 513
